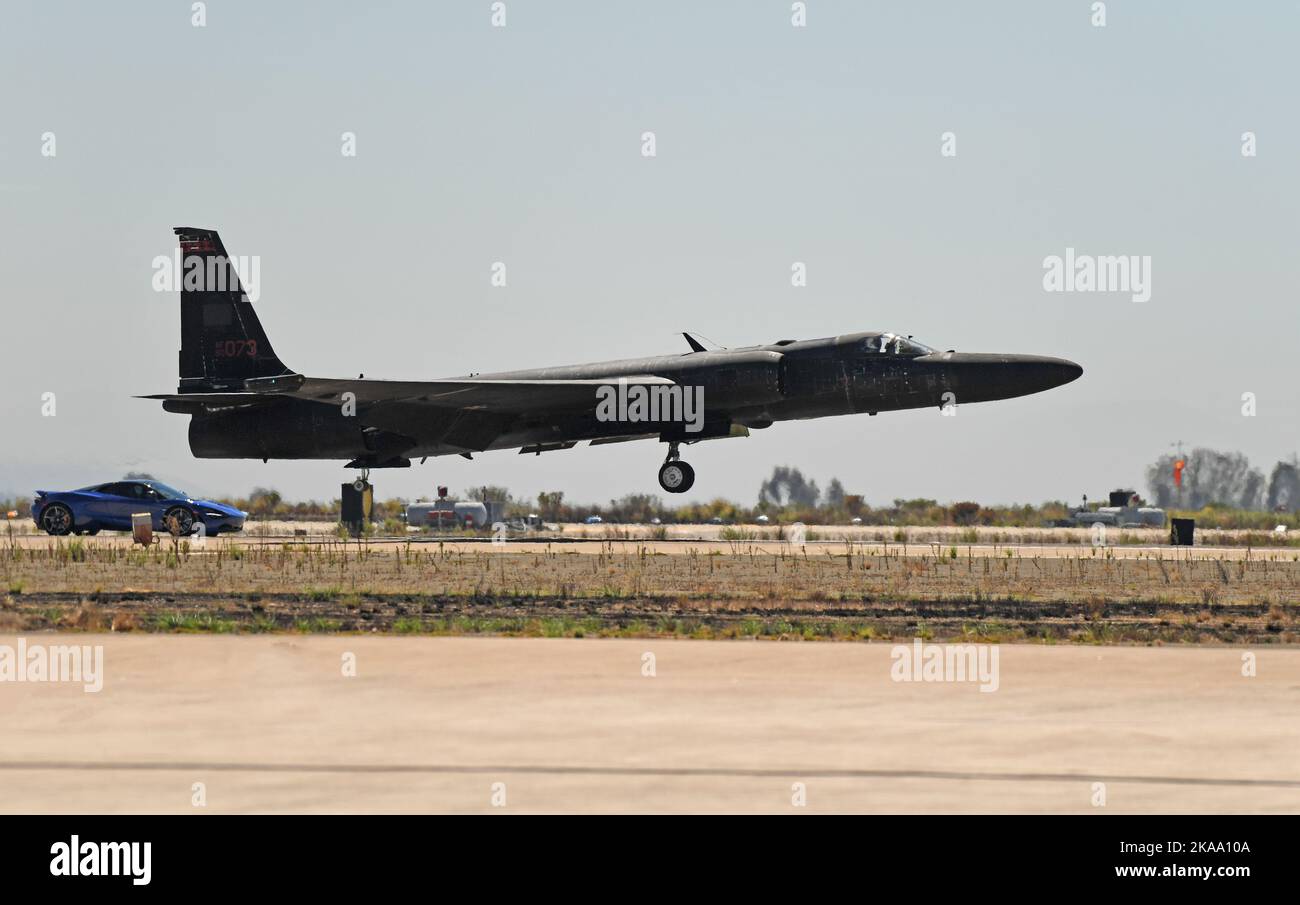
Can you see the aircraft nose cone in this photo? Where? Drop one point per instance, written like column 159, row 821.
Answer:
column 1035, row 373
column 1063, row 371
column 977, row 377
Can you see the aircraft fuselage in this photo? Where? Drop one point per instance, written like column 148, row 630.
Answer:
column 246, row 403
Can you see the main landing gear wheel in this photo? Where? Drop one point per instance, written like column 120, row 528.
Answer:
column 179, row 521
column 57, row 519
column 676, row 476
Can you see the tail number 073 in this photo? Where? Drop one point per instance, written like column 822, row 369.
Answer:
column 236, row 348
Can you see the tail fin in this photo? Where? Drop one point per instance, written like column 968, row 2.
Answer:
column 222, row 342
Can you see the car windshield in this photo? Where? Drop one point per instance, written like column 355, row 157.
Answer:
column 170, row 493
column 894, row 344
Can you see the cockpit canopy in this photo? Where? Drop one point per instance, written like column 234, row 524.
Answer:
column 894, row 344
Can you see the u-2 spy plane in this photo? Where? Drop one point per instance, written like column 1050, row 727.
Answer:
column 245, row 403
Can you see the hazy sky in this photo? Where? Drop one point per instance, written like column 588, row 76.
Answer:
column 775, row 144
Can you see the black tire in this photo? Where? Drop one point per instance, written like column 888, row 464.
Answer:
column 676, row 477
column 179, row 521
column 57, row 519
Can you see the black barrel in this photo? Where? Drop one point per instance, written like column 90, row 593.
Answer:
column 357, row 506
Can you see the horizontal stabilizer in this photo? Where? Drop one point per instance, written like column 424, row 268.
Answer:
column 194, row 403
column 215, row 398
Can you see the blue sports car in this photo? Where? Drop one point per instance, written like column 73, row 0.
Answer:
column 110, row 506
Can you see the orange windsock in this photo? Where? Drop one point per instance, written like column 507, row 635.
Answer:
column 1179, row 465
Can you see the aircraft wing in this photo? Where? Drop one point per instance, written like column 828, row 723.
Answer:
column 488, row 394
column 467, row 413
column 513, row 397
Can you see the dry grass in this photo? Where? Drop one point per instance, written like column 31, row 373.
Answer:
column 844, row 591
column 830, row 573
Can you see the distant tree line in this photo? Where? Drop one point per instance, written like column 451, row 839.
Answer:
column 1223, row 488
column 1227, row 479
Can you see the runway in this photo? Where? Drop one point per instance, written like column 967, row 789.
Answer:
column 271, row 723
column 704, row 540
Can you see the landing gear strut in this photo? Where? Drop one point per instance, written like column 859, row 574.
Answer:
column 675, row 476
column 360, row 483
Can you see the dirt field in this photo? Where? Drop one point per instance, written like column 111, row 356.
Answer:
column 431, row 724
column 619, row 588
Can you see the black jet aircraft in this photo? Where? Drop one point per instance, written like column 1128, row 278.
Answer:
column 245, row 403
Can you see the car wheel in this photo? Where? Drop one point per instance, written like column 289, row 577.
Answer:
column 57, row 519
column 179, row 521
